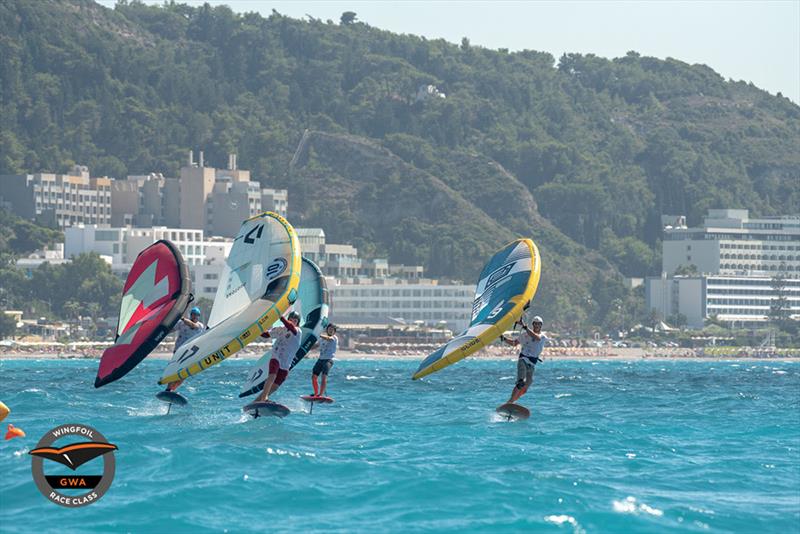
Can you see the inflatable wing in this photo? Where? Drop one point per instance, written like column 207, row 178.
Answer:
column 257, row 286
column 506, row 285
column 155, row 295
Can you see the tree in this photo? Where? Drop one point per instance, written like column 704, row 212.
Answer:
column 8, row 326
column 678, row 320
column 779, row 309
column 72, row 309
column 686, row 270
column 654, row 318
column 18, row 236
column 348, row 17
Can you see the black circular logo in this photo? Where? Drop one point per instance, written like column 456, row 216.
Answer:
column 78, row 488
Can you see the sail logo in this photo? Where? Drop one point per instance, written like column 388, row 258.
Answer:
column 497, row 309
column 500, row 273
column 275, row 268
column 256, row 375
column 77, row 489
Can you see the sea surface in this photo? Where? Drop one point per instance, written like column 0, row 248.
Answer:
column 645, row 446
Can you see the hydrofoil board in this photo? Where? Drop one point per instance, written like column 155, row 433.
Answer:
column 513, row 412
column 172, row 397
column 317, row 398
column 258, row 409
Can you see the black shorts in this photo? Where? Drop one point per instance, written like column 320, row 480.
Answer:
column 322, row 367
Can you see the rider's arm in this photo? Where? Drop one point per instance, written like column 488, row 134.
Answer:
column 292, row 328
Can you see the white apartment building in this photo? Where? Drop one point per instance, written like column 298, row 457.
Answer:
column 124, row 244
column 35, row 259
column 342, row 261
column 339, row 261
column 383, row 300
column 206, row 275
column 737, row 259
column 731, row 243
column 741, row 301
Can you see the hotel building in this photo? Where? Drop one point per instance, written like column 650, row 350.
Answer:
column 731, row 264
column 59, row 199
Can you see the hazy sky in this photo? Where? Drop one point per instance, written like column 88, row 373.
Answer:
column 756, row 41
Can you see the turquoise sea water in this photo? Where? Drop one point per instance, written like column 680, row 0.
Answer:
column 610, row 447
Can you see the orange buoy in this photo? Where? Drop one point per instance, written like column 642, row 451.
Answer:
column 14, row 432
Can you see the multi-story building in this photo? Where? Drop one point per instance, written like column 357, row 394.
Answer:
column 206, row 275
column 384, row 300
column 731, row 243
column 123, row 244
column 341, row 261
column 742, row 301
column 196, row 184
column 230, row 203
column 142, row 200
column 337, row 261
column 124, row 202
column 276, row 200
column 215, row 200
column 61, row 199
column 733, row 265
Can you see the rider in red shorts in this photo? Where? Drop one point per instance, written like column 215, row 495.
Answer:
column 285, row 346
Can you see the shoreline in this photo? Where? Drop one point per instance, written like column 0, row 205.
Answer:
column 348, row 355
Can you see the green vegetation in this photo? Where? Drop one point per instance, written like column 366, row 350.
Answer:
column 84, row 287
column 19, row 237
column 8, row 326
column 583, row 154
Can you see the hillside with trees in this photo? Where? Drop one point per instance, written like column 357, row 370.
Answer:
column 420, row 150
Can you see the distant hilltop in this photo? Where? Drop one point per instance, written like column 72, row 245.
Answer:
column 447, row 151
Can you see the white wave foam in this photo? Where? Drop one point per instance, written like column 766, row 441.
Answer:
column 562, row 395
column 568, row 519
column 778, row 372
column 21, row 452
column 630, row 455
column 560, row 519
column 159, row 450
column 630, row 506
column 281, row 452
column 148, row 411
column 351, row 377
